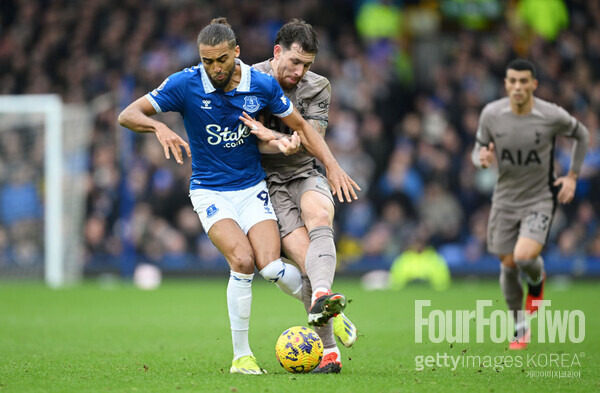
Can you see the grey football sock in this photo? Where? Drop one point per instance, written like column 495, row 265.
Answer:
column 320, row 257
column 306, row 292
column 512, row 289
column 326, row 334
column 533, row 269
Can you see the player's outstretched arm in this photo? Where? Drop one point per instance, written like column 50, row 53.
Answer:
column 288, row 144
column 271, row 141
column 137, row 118
column 257, row 128
column 341, row 184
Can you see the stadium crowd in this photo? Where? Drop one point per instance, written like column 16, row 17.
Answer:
column 409, row 80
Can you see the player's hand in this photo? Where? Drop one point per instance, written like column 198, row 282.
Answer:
column 170, row 141
column 486, row 155
column 341, row 184
column 289, row 145
column 257, row 128
column 567, row 188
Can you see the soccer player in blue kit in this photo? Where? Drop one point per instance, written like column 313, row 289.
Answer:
column 227, row 187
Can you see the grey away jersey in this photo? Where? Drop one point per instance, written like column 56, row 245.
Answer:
column 524, row 147
column 311, row 96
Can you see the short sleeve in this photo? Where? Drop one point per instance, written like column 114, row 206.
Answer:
column 279, row 105
column 169, row 96
column 318, row 109
column 564, row 122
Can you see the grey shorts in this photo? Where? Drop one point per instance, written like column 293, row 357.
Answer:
column 505, row 226
column 286, row 199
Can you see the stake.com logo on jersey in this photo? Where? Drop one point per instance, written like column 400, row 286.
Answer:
column 232, row 138
column 495, row 325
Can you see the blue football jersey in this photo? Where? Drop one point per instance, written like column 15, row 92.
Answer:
column 225, row 154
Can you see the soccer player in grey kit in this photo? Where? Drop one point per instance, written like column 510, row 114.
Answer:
column 301, row 196
column 520, row 132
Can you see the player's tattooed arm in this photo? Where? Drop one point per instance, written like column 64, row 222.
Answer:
column 320, row 126
column 341, row 184
column 287, row 145
column 278, row 135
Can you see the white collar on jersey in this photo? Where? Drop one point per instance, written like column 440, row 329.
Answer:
column 243, row 86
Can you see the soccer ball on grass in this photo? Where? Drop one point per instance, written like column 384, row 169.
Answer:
column 299, row 349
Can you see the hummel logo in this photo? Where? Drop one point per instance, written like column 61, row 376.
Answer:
column 500, row 135
column 206, row 104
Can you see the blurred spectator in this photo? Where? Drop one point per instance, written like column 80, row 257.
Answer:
column 546, row 17
column 19, row 198
column 401, row 177
column 420, row 262
column 594, row 250
column 441, row 214
column 408, row 87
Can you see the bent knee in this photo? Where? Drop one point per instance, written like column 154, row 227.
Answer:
column 507, row 260
column 318, row 217
column 242, row 261
column 525, row 256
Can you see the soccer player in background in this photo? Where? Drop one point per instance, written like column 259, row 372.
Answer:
column 519, row 131
column 227, row 186
column 301, row 197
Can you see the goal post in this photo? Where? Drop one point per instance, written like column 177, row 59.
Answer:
column 45, row 116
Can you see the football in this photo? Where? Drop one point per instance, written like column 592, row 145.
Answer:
column 299, row 349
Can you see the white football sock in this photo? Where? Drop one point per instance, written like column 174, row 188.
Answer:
column 239, row 302
column 285, row 276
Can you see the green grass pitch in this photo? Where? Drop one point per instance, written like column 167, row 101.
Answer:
column 93, row 338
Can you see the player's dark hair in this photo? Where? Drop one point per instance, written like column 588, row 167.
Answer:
column 522, row 65
column 300, row 32
column 216, row 32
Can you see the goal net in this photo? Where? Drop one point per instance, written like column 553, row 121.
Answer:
column 44, row 148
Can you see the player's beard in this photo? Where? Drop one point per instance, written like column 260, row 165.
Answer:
column 222, row 84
